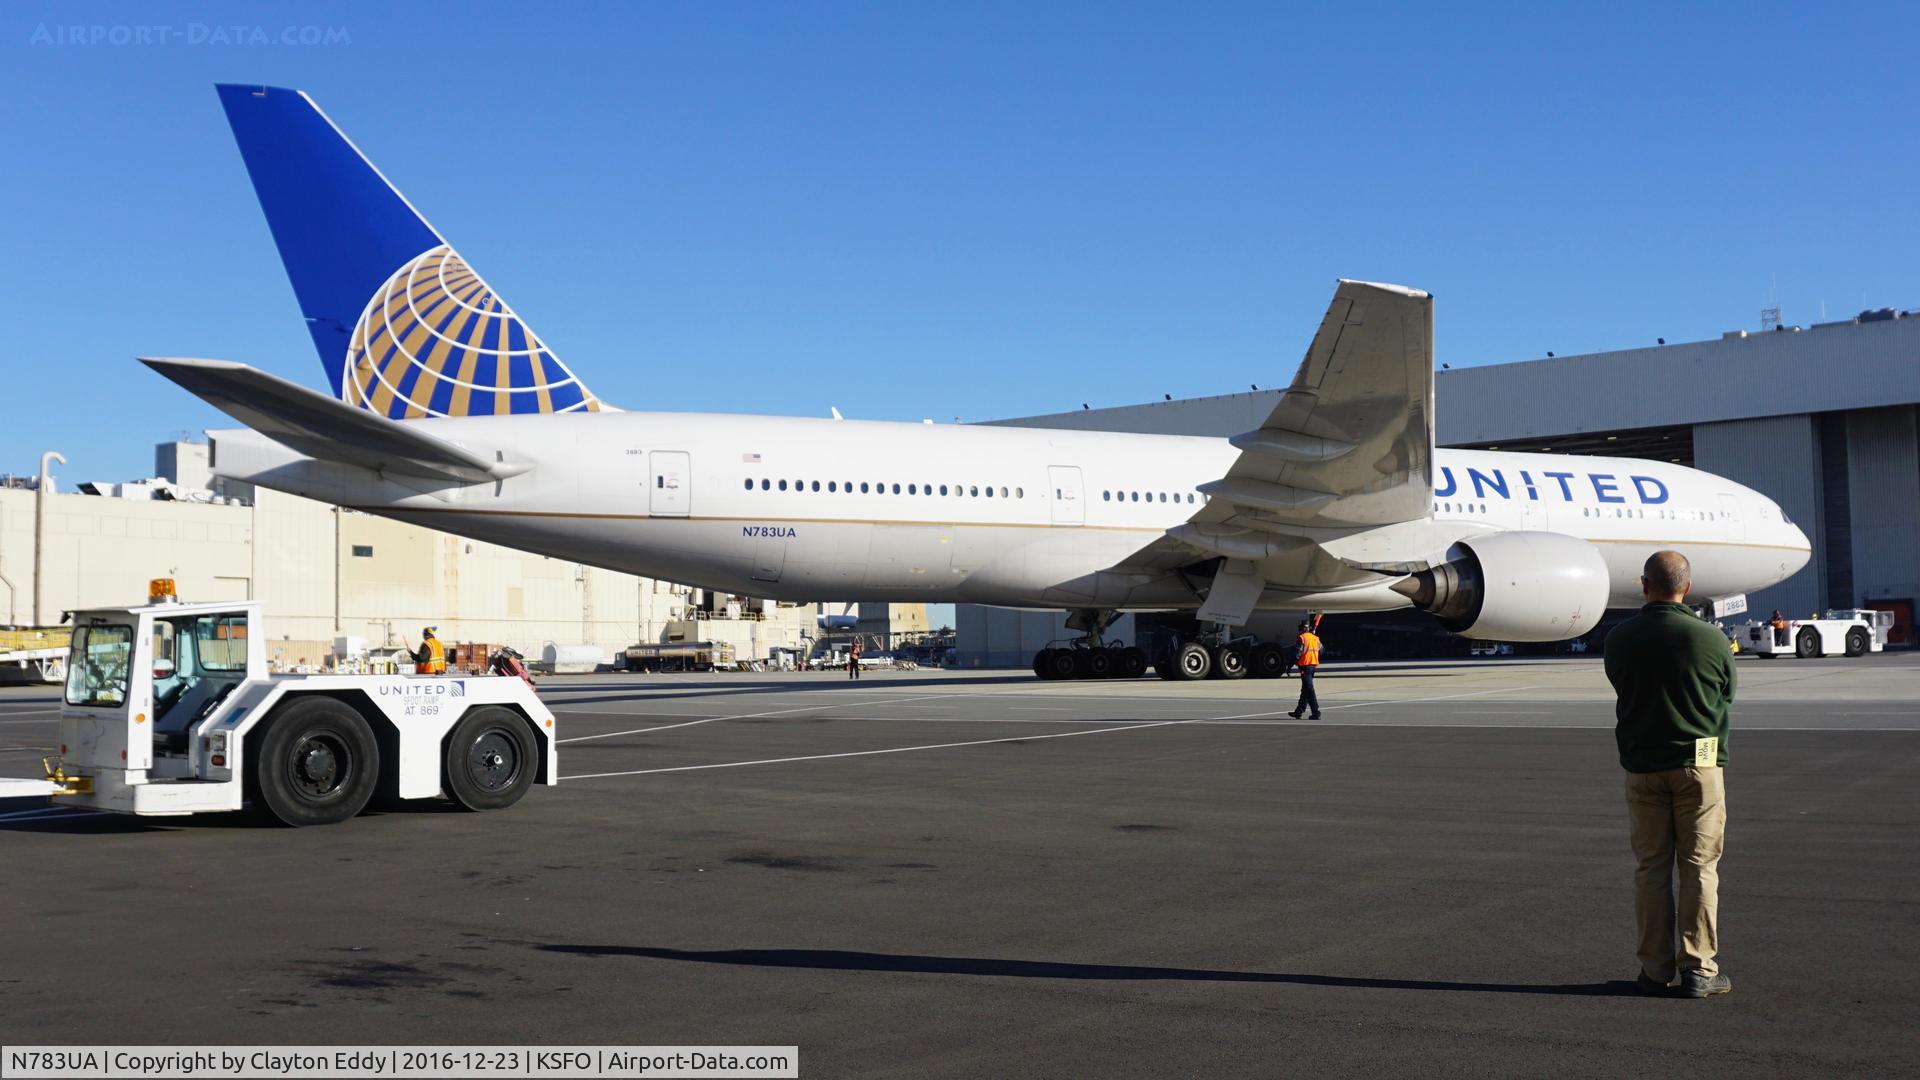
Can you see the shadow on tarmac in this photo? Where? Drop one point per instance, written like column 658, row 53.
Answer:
column 40, row 815
column 843, row 960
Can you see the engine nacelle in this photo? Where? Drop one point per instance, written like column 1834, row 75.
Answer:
column 1514, row 586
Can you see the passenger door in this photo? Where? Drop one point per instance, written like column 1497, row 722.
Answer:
column 1732, row 527
column 1533, row 516
column 670, row 483
column 1068, row 507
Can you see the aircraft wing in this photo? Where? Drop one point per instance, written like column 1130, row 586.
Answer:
column 1350, row 442
column 326, row 428
column 1347, row 448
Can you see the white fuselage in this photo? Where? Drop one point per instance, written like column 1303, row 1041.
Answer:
column 802, row 509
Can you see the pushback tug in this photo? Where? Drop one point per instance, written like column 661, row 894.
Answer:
column 170, row 710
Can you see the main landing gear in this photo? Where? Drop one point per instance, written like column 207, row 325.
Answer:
column 1090, row 656
column 1212, row 655
column 1078, row 660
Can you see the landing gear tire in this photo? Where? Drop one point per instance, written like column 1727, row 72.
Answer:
column 1043, row 663
column 1807, row 645
column 1130, row 663
column 316, row 764
column 1191, row 661
column 1230, row 662
column 1856, row 642
column 1099, row 663
column 1267, row 660
column 490, row 760
column 1065, row 664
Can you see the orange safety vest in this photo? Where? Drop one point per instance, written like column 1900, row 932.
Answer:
column 1309, row 649
column 436, row 658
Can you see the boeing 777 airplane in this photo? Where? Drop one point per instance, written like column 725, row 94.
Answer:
column 446, row 410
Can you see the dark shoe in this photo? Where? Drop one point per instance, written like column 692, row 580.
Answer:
column 1295, row 714
column 1650, row 986
column 1695, row 985
column 1315, row 716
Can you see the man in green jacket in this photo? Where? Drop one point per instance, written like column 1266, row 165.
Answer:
column 1673, row 677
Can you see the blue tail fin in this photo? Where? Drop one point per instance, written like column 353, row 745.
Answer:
column 404, row 327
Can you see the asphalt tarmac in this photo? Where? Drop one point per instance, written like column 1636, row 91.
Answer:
column 979, row 874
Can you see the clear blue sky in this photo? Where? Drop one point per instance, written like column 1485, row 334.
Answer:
column 967, row 210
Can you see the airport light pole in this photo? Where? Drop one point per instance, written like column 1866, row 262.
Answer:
column 40, row 490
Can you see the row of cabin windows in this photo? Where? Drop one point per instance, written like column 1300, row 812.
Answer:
column 1663, row 515
column 1594, row 512
column 978, row 491
column 1146, row 496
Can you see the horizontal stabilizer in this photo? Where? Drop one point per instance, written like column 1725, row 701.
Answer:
column 327, row 429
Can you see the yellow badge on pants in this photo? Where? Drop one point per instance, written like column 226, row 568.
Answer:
column 1706, row 753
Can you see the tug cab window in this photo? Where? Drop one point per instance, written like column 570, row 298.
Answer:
column 97, row 665
column 197, row 660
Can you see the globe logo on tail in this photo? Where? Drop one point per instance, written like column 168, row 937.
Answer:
column 435, row 340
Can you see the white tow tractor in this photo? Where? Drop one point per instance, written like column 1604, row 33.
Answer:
column 1852, row 632
column 170, row 710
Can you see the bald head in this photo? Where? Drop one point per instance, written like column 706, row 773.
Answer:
column 1666, row 576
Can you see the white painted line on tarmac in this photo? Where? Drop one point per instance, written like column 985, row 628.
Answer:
column 1388, row 701
column 911, row 702
column 889, row 750
column 741, row 716
column 1745, row 728
column 1005, row 720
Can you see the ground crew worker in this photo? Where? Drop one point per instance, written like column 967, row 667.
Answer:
column 1674, row 680
column 1779, row 624
column 1306, row 656
column 431, row 657
column 853, row 661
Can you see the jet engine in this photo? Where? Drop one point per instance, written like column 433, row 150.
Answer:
column 1514, row 586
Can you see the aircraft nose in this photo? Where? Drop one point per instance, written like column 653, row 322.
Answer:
column 1805, row 553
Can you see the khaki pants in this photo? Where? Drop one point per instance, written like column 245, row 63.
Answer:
column 1678, row 817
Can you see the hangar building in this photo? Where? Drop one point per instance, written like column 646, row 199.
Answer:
column 1824, row 419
